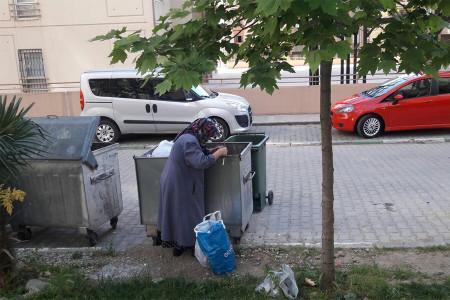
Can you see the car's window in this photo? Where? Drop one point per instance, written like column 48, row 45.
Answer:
column 100, row 87
column 174, row 95
column 418, row 88
column 444, row 85
column 129, row 88
column 383, row 88
column 202, row 92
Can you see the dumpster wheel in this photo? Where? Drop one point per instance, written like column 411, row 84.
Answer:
column 24, row 233
column 113, row 222
column 270, row 197
column 92, row 237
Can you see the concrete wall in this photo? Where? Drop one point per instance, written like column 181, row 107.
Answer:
column 286, row 100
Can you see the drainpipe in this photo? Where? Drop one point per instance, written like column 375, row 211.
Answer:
column 66, row 94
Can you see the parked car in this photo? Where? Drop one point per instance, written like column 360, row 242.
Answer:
column 124, row 106
column 404, row 103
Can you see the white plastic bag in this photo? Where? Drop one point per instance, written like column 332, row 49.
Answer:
column 285, row 280
column 163, row 149
column 201, row 257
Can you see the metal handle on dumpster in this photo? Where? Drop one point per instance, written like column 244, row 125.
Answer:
column 249, row 176
column 103, row 176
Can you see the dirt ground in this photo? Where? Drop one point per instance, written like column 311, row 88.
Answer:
column 159, row 263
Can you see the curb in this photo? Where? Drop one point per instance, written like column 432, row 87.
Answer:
column 286, row 123
column 318, row 143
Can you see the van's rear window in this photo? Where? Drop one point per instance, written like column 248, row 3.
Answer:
column 100, row 87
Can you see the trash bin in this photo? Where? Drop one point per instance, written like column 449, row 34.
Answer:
column 74, row 184
column 258, row 141
column 227, row 188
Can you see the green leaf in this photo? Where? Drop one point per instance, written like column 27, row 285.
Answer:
column 360, row 14
column 341, row 48
column 327, row 6
column 163, row 87
column 285, row 4
column 313, row 59
column 112, row 34
column 267, row 7
column 387, row 66
column 179, row 14
column 444, row 5
column 117, row 55
column 270, row 26
column 389, row 4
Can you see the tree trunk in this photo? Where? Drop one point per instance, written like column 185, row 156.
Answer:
column 327, row 176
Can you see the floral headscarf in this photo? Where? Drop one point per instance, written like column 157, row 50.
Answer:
column 203, row 129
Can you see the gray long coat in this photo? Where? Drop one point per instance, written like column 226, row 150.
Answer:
column 181, row 200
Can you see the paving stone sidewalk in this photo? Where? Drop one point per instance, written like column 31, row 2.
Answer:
column 386, row 195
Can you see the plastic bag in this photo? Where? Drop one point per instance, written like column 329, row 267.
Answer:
column 201, row 257
column 163, row 149
column 214, row 242
column 284, row 280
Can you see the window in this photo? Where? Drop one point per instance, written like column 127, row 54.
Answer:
column 25, row 10
column 444, row 85
column 32, row 73
column 100, row 87
column 419, row 88
column 129, row 88
column 238, row 39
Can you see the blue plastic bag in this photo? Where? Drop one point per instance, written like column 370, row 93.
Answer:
column 215, row 244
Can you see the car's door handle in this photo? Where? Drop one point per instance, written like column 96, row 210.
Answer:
column 155, row 108
column 147, row 107
column 429, row 101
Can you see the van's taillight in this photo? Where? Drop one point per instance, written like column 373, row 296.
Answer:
column 81, row 100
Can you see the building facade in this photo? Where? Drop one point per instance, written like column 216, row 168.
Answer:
column 45, row 43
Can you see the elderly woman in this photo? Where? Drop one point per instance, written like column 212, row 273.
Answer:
column 181, row 200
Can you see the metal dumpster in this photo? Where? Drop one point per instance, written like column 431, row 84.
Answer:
column 258, row 141
column 227, row 188
column 74, row 184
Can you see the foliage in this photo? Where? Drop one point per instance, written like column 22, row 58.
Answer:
column 18, row 141
column 18, row 137
column 407, row 42
column 7, row 197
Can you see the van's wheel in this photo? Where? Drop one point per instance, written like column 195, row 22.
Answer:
column 370, row 126
column 223, row 129
column 107, row 132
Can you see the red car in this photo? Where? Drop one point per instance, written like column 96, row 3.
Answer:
column 404, row 103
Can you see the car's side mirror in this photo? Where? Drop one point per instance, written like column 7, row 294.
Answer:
column 397, row 98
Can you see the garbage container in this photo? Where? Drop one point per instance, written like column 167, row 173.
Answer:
column 75, row 183
column 227, row 188
column 258, row 141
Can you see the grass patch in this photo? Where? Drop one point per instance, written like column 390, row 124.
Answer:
column 110, row 251
column 358, row 282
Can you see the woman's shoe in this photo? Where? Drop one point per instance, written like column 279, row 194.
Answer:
column 177, row 251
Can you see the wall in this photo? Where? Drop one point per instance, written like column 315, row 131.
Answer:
column 286, row 100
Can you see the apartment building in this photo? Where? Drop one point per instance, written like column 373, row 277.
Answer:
column 45, row 43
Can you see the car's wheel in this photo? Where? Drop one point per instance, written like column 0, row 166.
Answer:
column 223, row 129
column 107, row 132
column 370, row 126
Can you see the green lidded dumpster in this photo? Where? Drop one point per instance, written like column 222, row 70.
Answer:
column 258, row 154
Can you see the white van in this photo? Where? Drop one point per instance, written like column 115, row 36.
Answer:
column 125, row 107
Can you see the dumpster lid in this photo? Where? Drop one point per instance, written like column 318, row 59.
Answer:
column 70, row 138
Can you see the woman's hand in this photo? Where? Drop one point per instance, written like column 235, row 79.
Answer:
column 212, row 150
column 221, row 151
